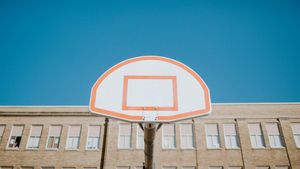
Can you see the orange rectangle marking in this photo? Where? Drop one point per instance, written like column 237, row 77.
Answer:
column 174, row 107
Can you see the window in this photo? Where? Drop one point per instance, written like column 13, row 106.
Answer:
column 212, row 136
column 188, row 167
column 216, row 167
column 124, row 135
column 54, row 137
column 281, row 167
column 2, row 127
column 35, row 136
column 73, row 137
column 274, row 135
column 168, row 136
column 296, row 133
column 234, row 167
column 187, row 136
column 16, row 136
column 140, row 138
column 93, row 137
column 265, row 167
column 231, row 138
column 256, row 136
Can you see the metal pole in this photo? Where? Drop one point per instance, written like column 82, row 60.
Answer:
column 149, row 136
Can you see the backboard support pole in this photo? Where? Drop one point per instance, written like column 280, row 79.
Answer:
column 149, row 136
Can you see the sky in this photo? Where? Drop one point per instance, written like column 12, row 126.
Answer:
column 52, row 52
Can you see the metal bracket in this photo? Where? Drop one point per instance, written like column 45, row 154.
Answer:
column 150, row 117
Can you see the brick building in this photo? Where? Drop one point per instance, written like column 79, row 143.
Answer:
column 233, row 136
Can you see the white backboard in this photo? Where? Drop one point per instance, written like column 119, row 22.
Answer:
column 150, row 88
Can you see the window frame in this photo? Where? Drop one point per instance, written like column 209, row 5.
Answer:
column 29, row 137
column 137, row 138
column 9, row 139
column 236, row 137
column 297, row 144
column 130, row 137
column 68, row 137
column 218, row 136
column 59, row 141
column 181, row 136
column 256, row 136
column 99, row 138
column 175, row 143
column 279, row 135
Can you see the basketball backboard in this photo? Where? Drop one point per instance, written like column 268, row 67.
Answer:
column 150, row 89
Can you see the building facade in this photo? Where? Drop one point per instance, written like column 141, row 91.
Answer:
column 233, row 136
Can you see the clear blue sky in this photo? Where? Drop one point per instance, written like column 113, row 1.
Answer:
column 53, row 51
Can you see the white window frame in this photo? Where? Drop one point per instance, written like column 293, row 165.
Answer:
column 296, row 136
column 99, row 138
column 137, row 138
column 273, row 136
column 9, row 139
column 68, row 137
column 130, row 137
column 59, row 141
column 182, row 134
column 210, row 136
column 236, row 136
column 29, row 137
column 163, row 146
column 256, row 137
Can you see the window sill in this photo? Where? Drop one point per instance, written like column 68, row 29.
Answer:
column 125, row 149
column 51, row 149
column 91, row 149
column 169, row 149
column 187, row 148
column 232, row 148
column 13, row 149
column 258, row 148
column 214, row 148
column 71, row 149
column 32, row 149
column 277, row 147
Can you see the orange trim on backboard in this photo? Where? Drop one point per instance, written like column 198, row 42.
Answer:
column 148, row 108
column 204, row 111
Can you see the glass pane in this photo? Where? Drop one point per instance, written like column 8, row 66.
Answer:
column 168, row 129
column 94, row 131
column 272, row 128
column 74, row 131
column 255, row 128
column 17, row 130
column 55, row 131
column 36, row 130
column 211, row 129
